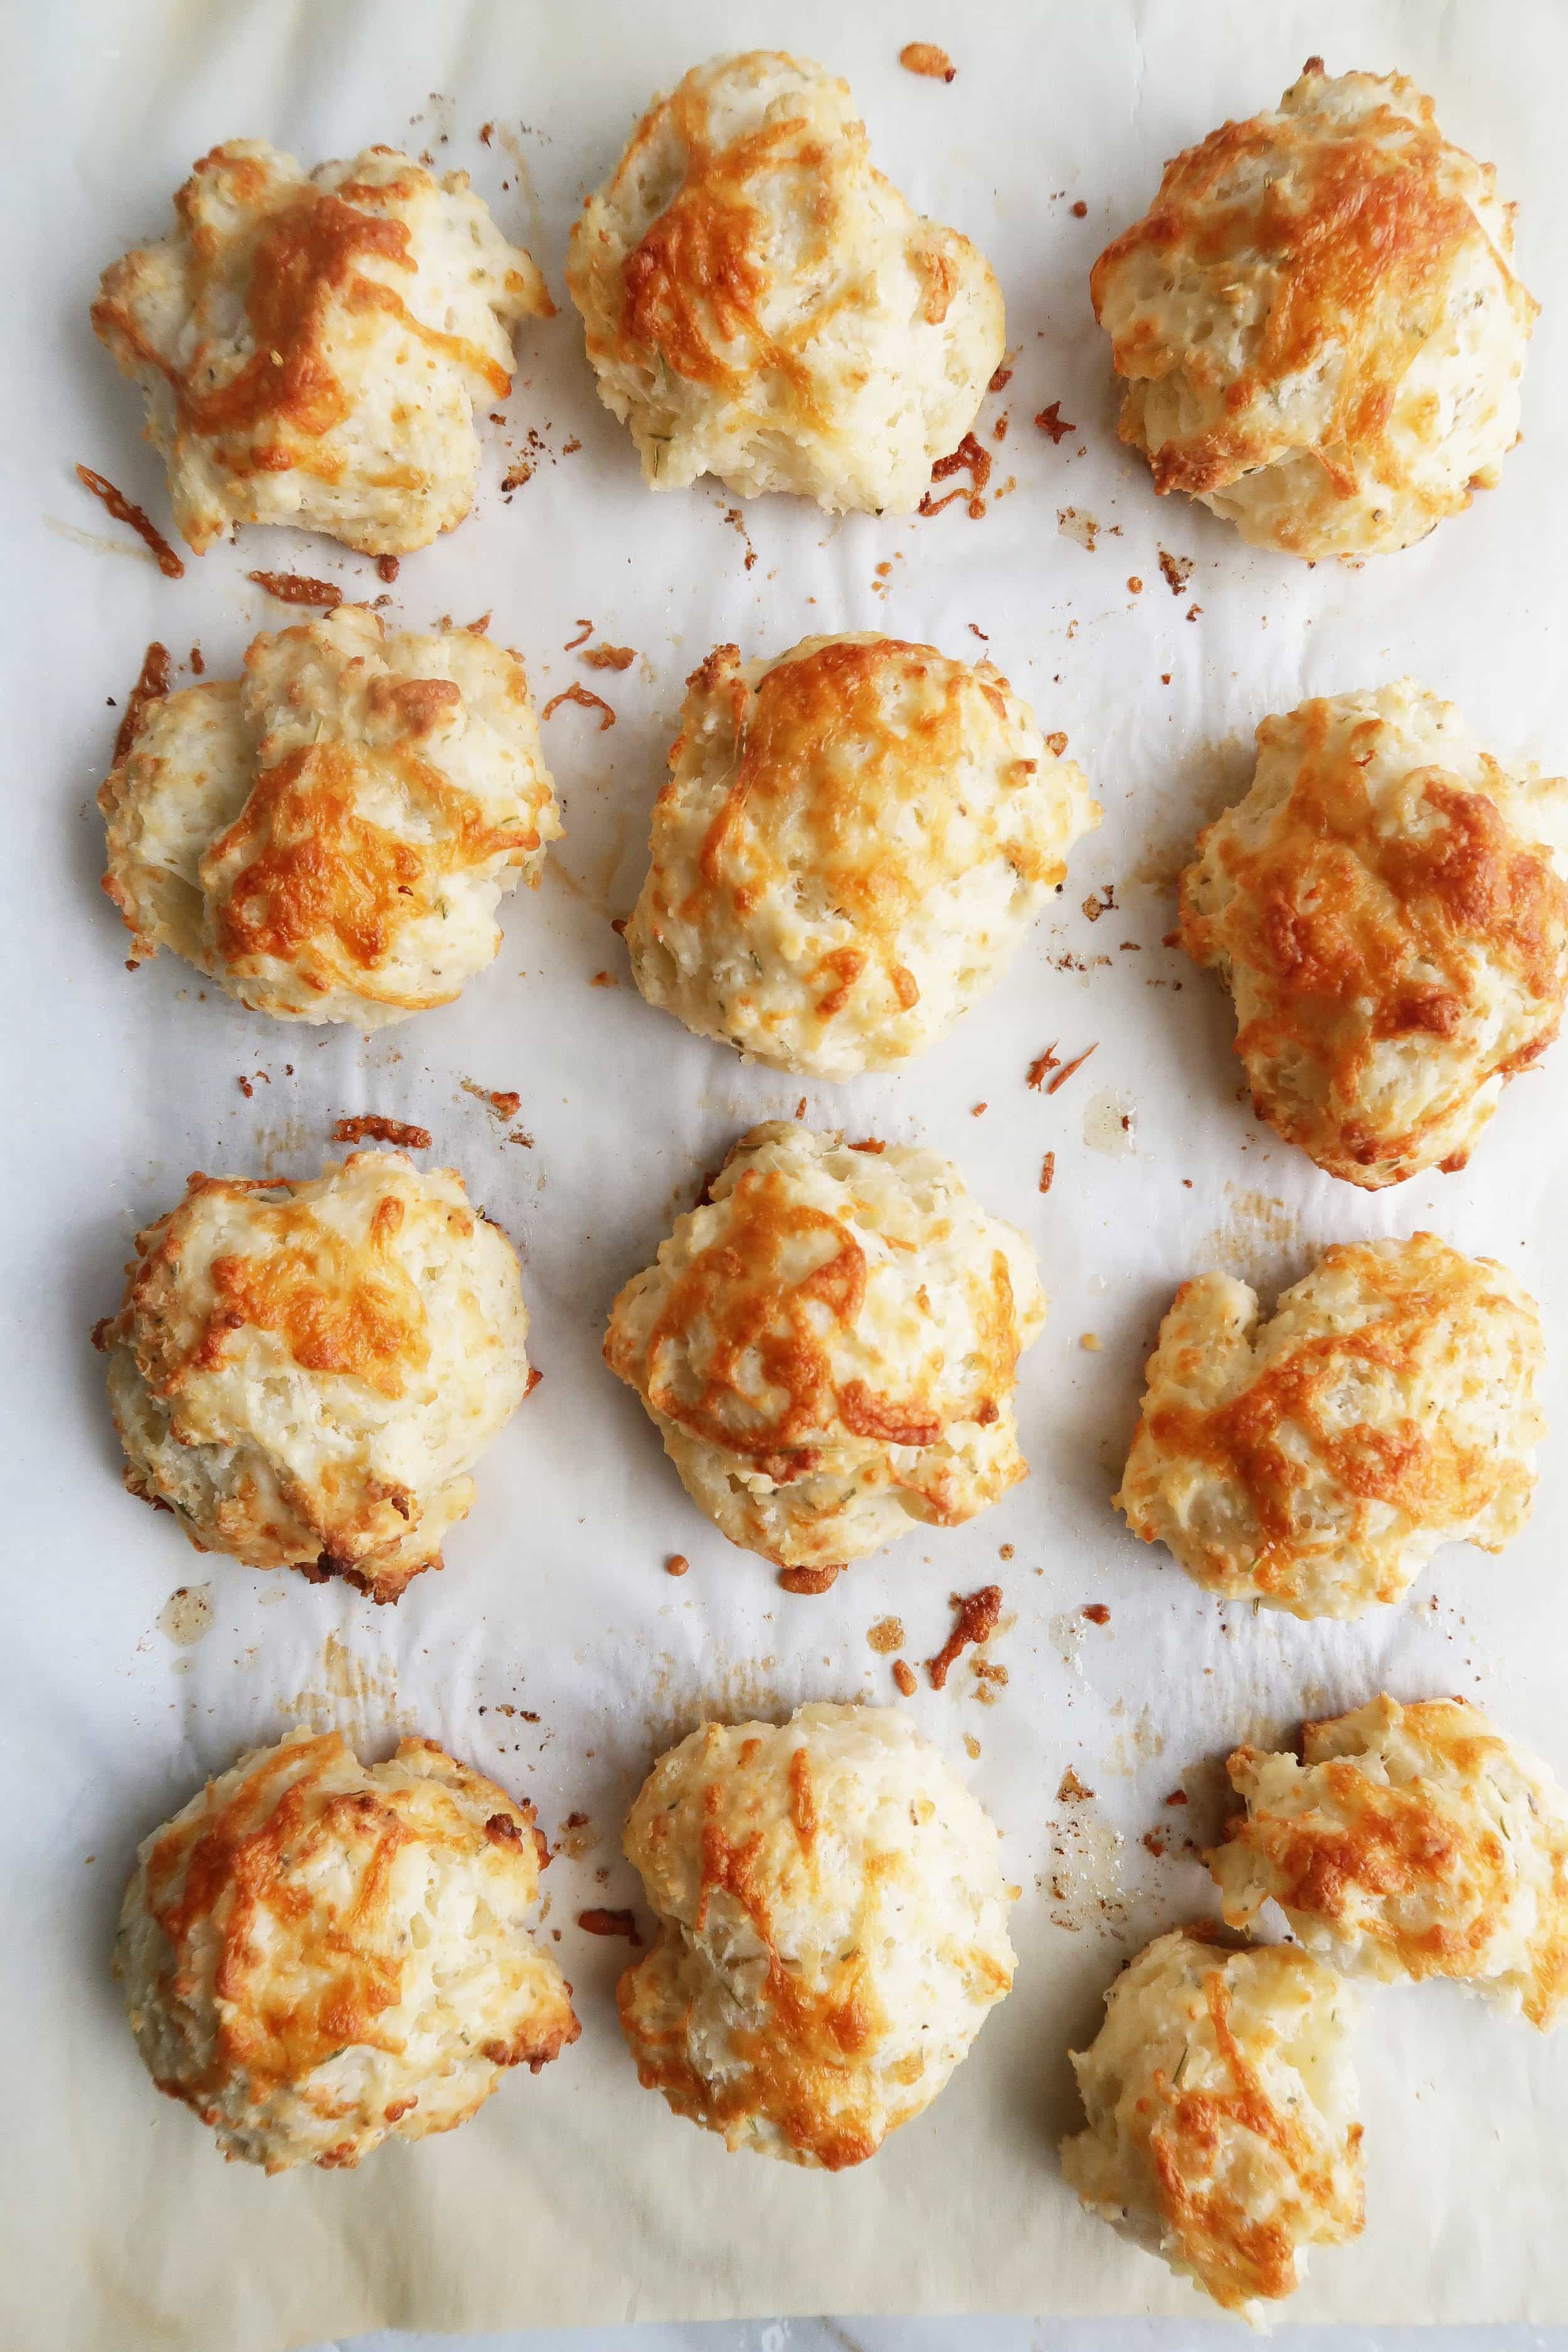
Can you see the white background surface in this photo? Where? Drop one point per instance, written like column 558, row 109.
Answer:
column 577, row 2197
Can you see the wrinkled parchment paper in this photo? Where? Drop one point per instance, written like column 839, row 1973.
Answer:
column 553, row 1649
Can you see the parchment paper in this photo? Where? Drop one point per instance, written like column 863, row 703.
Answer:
column 553, row 1649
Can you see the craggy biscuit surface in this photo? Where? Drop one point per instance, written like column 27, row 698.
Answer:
column 1315, row 1462
column 305, row 1374
column 1221, row 2106
column 1318, row 324
column 828, row 1345
column 1410, row 1841
column 852, row 840
column 832, row 1930
column 317, row 1954
column 1386, row 905
column 329, row 836
column 762, row 305
column 312, row 346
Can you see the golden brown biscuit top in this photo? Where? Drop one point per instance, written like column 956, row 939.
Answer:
column 340, row 1303
column 1417, row 1861
column 834, row 744
column 1358, row 220
column 293, row 1879
column 789, row 2071
column 1236, row 2253
column 693, row 289
column 741, row 1353
column 1353, row 931
column 297, row 252
column 1287, row 1427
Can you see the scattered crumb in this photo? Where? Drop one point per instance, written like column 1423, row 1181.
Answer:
column 571, row 643
column 1064, row 1073
column 1047, row 1171
column 904, row 1675
column 246, row 1089
column 294, row 588
column 1135, row 585
column 1155, row 1842
column 676, row 1564
column 1089, row 1343
column 197, row 662
column 970, row 1747
column 737, row 521
column 501, row 1100
column 1096, row 1612
column 1081, row 210
column 968, row 455
column 1040, row 1067
column 800, row 1107
column 1051, row 420
column 534, row 1377
column 585, row 700
column 975, row 630
column 976, row 1109
column 1177, row 1797
column 1005, row 1552
column 386, row 568
column 1057, row 742
column 368, row 1126
column 121, row 508
column 610, row 1923
column 516, row 474
column 1193, row 611
column 604, row 980
column 925, row 58
column 886, row 1635
column 609, row 656
column 1072, row 1791
column 869, row 1143
column 974, row 1621
column 1094, row 907
column 1175, row 571
column 1001, row 380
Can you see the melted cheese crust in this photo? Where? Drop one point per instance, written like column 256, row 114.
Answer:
column 1220, row 2102
column 829, row 1347
column 853, row 839
column 1315, row 1462
column 317, row 1954
column 762, row 305
column 1410, row 1841
column 311, row 346
column 305, row 1374
column 1387, row 908
column 330, row 836
column 1318, row 324
column 833, row 1930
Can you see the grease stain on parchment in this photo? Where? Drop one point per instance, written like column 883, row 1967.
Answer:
column 1134, row 1743
column 1110, row 1124
column 1256, row 1233
column 1083, row 1870
column 186, row 1614
column 1210, row 779
column 354, row 1696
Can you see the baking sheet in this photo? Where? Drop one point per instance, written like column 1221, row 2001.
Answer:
column 553, row 1649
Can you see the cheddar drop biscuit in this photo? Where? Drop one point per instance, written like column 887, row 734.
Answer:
column 828, row 1345
column 853, row 839
column 311, row 345
column 1318, row 324
column 1316, row 1461
column 1387, row 908
column 762, row 305
column 1410, row 1841
column 317, row 1955
column 1221, row 2105
column 305, row 1374
column 832, row 1930
column 329, row 836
